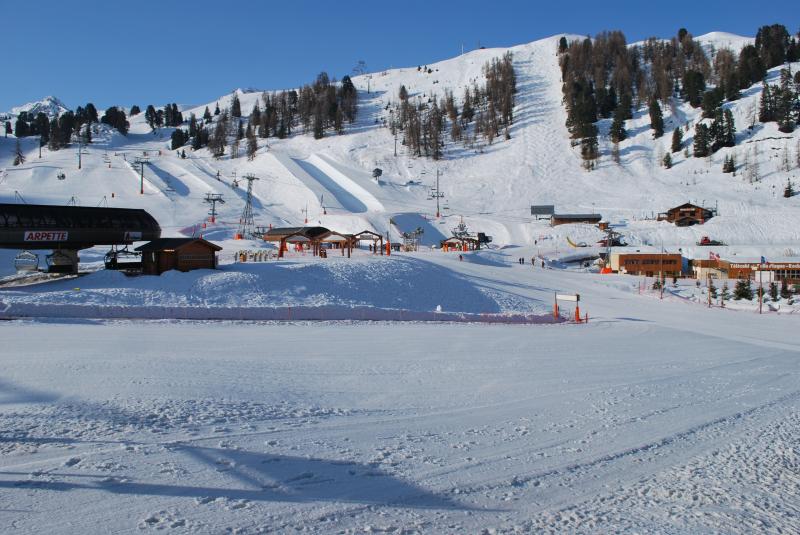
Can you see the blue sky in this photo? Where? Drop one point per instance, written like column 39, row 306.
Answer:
column 114, row 52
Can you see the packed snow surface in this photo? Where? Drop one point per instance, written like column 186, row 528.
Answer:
column 658, row 416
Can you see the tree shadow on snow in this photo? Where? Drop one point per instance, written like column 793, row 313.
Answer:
column 260, row 477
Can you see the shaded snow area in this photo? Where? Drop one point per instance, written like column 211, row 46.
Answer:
column 651, row 421
column 410, row 283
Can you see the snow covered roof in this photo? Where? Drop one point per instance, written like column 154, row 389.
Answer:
column 162, row 244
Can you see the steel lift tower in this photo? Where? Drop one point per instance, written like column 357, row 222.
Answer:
column 246, row 223
column 213, row 199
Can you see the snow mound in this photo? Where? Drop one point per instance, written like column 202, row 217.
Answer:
column 390, row 283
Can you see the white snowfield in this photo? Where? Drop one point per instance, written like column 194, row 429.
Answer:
column 656, row 417
column 120, row 412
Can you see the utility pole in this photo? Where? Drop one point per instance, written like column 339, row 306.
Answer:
column 760, row 288
column 305, row 212
column 213, row 199
column 437, row 194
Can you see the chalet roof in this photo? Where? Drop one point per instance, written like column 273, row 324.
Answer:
column 367, row 232
column 598, row 217
column 687, row 205
column 163, row 244
column 308, row 232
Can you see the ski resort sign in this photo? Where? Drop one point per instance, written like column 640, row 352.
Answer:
column 46, row 235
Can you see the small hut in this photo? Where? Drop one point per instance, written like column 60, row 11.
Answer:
column 183, row 254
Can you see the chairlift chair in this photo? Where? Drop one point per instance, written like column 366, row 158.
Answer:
column 26, row 261
column 58, row 262
column 120, row 259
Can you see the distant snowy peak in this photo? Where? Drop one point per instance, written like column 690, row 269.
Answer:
column 50, row 106
column 719, row 40
column 714, row 41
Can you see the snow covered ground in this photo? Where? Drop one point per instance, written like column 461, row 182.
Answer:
column 659, row 416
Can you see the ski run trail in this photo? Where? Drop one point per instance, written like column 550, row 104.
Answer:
column 418, row 392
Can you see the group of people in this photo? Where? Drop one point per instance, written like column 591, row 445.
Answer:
column 521, row 261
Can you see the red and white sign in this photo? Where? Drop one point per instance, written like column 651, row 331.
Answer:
column 46, row 235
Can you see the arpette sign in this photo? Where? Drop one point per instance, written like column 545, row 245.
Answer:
column 46, row 235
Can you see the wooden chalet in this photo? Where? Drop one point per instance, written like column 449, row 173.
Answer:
column 312, row 238
column 686, row 215
column 183, row 254
column 564, row 219
column 647, row 264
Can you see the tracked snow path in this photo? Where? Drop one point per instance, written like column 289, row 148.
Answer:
column 330, row 186
column 508, row 429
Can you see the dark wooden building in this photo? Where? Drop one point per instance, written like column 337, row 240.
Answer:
column 183, row 254
column 687, row 215
column 647, row 264
column 563, row 219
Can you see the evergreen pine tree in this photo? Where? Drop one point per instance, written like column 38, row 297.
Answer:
column 626, row 104
column 8, row 128
column 135, row 110
column 765, row 111
column 216, row 109
column 785, row 293
column 773, row 291
column 55, row 135
column 729, row 165
column 743, row 290
column 656, row 119
column 677, row 139
column 701, row 140
column 589, row 151
column 785, row 102
column 617, row 132
column 788, row 190
column 19, row 156
column 725, row 295
column 151, row 116
column 252, row 143
column 667, row 161
column 729, row 129
column 21, row 126
column 207, row 115
column 236, row 106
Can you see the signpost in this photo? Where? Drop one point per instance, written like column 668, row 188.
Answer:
column 574, row 298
